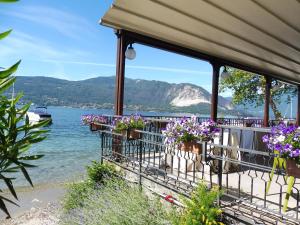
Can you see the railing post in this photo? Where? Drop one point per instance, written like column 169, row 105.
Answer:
column 140, row 161
column 102, row 146
column 267, row 101
column 215, row 89
column 298, row 107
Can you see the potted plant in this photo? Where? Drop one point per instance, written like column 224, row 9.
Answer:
column 185, row 132
column 94, row 121
column 128, row 126
column 284, row 141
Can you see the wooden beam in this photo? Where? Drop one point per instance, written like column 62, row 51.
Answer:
column 267, row 101
column 120, row 72
column 215, row 90
column 298, row 107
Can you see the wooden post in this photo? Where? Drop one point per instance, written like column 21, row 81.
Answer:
column 214, row 91
column 120, row 72
column 298, row 107
column 267, row 101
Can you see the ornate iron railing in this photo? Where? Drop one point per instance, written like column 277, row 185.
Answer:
column 241, row 122
column 238, row 162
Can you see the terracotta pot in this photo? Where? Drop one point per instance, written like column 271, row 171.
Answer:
column 191, row 147
column 95, row 127
column 292, row 169
column 131, row 134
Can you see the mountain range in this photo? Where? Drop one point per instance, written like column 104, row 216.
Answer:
column 99, row 93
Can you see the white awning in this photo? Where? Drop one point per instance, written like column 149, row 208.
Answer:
column 261, row 34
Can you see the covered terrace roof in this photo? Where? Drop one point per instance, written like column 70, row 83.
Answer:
column 262, row 36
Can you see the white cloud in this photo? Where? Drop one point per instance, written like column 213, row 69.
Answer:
column 68, row 24
column 23, row 45
column 152, row 68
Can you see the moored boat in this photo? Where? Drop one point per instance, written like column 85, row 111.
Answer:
column 39, row 114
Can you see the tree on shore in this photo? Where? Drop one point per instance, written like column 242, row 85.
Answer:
column 249, row 89
column 16, row 134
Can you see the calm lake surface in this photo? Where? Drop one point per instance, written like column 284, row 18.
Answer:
column 69, row 148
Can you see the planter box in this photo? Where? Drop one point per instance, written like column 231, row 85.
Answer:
column 193, row 147
column 292, row 169
column 160, row 124
column 131, row 134
column 96, row 127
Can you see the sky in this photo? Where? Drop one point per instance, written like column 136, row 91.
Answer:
column 63, row 39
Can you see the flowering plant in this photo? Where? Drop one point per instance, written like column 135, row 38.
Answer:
column 129, row 122
column 188, row 130
column 88, row 119
column 285, row 140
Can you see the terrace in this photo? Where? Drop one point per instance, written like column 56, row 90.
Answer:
column 224, row 34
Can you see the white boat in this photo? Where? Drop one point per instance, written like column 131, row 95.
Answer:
column 39, row 114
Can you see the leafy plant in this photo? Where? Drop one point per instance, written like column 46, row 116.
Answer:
column 118, row 202
column 98, row 173
column 201, row 209
column 284, row 140
column 129, row 122
column 88, row 119
column 189, row 130
column 76, row 194
column 16, row 134
column 249, row 88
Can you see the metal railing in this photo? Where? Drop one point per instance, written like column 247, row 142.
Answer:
column 240, row 122
column 237, row 161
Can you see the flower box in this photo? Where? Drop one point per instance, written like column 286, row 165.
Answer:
column 131, row 134
column 161, row 124
column 292, row 169
column 127, row 126
column 96, row 127
column 190, row 146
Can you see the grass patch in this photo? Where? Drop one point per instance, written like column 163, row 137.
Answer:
column 105, row 199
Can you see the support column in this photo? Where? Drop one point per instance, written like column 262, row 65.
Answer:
column 298, row 107
column 120, row 72
column 267, row 101
column 215, row 91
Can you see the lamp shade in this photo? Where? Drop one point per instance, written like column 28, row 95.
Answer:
column 130, row 53
column 225, row 74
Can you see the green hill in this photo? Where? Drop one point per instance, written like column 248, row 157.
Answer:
column 99, row 93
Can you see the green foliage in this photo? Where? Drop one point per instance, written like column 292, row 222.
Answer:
column 249, row 88
column 76, row 194
column 8, row 1
column 52, row 91
column 98, row 172
column 117, row 203
column 129, row 122
column 201, row 209
column 16, row 134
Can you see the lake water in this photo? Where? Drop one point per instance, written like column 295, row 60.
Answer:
column 69, row 148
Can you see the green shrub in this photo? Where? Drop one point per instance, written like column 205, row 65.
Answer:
column 76, row 194
column 16, row 134
column 116, row 203
column 98, row 172
column 201, row 209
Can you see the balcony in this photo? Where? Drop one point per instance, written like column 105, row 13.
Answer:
column 237, row 161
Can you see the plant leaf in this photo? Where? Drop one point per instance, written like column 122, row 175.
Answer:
column 26, row 175
column 31, row 157
column 7, row 72
column 8, row 1
column 10, row 186
column 3, row 208
column 5, row 34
